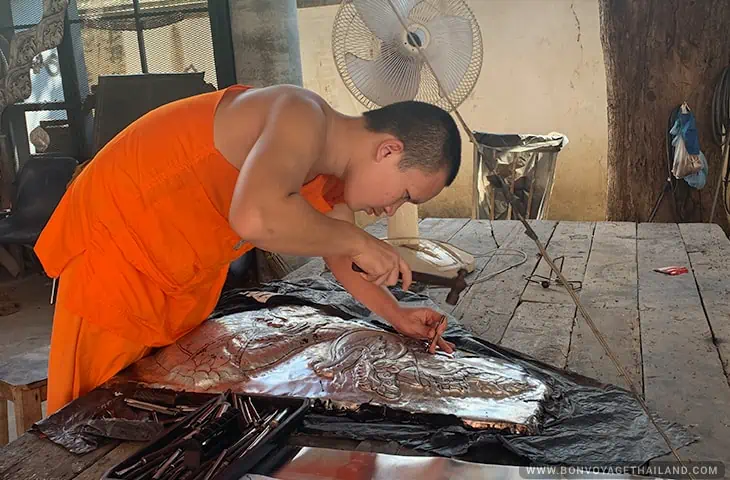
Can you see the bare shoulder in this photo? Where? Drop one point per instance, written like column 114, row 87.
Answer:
column 287, row 101
column 244, row 117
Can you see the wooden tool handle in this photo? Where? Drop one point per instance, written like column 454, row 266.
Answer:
column 419, row 277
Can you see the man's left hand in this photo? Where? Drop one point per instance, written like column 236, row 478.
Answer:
column 423, row 324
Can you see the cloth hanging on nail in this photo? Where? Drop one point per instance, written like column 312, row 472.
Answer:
column 690, row 163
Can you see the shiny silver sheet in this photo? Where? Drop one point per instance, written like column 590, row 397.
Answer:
column 326, row 464
column 527, row 165
column 300, row 351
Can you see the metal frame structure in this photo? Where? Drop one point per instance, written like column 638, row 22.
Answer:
column 73, row 74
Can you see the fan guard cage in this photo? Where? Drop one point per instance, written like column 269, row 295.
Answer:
column 351, row 35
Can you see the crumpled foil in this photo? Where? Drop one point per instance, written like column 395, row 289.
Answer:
column 304, row 352
column 527, row 165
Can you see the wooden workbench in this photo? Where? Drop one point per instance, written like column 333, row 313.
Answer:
column 671, row 333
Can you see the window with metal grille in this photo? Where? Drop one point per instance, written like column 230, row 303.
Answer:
column 144, row 36
column 107, row 37
column 45, row 107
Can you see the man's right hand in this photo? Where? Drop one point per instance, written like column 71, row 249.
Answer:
column 381, row 262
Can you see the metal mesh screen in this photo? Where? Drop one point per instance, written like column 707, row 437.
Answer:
column 26, row 12
column 176, row 34
column 91, row 7
column 184, row 46
column 109, row 52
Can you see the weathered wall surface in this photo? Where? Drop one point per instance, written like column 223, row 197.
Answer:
column 266, row 42
column 543, row 71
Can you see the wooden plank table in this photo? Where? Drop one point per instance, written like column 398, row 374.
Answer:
column 672, row 334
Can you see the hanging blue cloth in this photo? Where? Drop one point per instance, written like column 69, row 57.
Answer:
column 689, row 159
column 687, row 126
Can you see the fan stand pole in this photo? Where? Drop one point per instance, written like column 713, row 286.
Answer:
column 404, row 223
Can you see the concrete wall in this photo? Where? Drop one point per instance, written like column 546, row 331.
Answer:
column 543, row 71
column 266, row 42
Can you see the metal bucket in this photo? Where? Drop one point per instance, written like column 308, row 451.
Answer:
column 527, row 165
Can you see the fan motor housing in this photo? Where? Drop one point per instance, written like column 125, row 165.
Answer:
column 416, row 37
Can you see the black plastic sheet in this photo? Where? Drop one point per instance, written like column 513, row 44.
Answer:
column 585, row 422
column 94, row 419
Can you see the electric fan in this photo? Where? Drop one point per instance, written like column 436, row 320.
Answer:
column 379, row 61
column 387, row 51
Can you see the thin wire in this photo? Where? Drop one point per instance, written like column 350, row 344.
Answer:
column 499, row 251
column 531, row 233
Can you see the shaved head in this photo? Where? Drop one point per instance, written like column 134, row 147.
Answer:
column 431, row 139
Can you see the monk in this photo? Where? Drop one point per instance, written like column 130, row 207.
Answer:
column 142, row 240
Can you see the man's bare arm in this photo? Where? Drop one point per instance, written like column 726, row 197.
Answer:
column 414, row 322
column 376, row 298
column 266, row 208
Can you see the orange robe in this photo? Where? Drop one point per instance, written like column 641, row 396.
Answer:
column 141, row 244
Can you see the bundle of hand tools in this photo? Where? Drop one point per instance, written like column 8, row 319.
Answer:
column 223, row 432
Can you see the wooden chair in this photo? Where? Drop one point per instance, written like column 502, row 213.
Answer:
column 23, row 381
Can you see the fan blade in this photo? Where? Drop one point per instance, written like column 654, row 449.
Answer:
column 449, row 50
column 379, row 17
column 390, row 78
